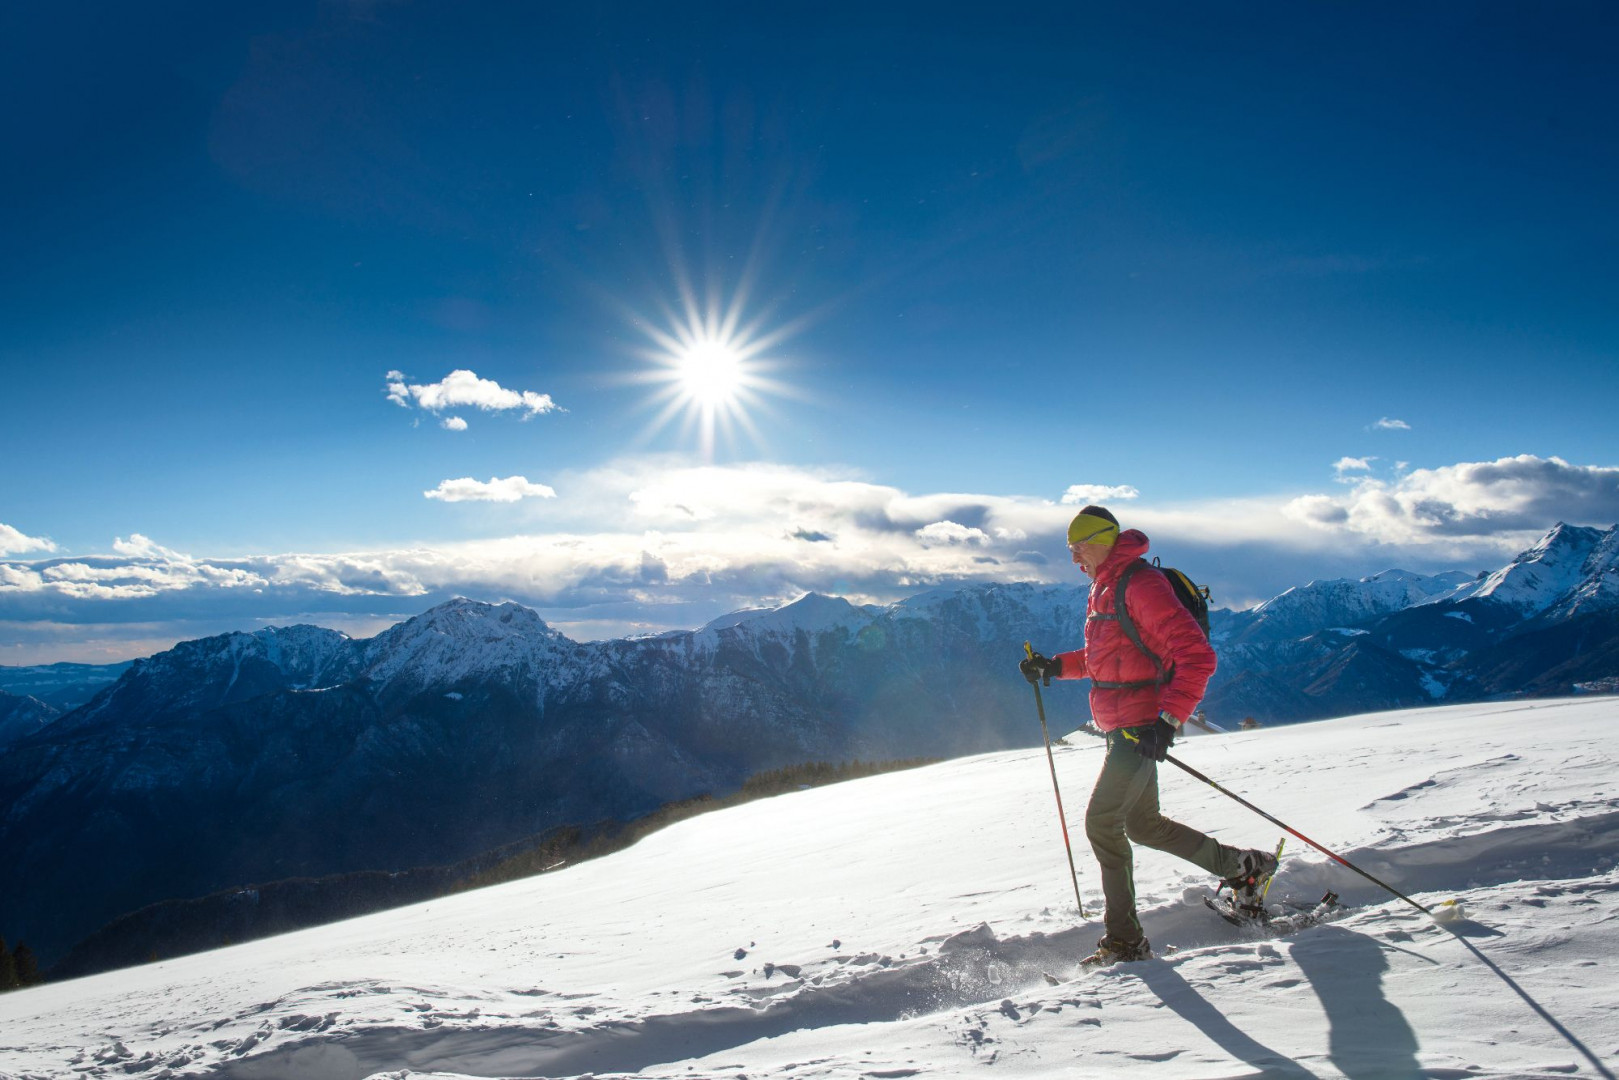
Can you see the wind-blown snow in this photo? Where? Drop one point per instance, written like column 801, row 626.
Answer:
column 898, row 926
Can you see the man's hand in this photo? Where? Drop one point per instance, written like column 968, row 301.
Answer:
column 1039, row 668
column 1153, row 740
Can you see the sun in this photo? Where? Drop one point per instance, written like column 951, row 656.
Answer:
column 713, row 372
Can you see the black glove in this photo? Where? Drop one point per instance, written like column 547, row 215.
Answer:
column 1153, row 740
column 1039, row 668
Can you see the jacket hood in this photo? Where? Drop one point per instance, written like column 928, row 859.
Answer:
column 1131, row 545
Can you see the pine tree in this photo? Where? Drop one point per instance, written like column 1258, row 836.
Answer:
column 8, row 969
column 27, row 967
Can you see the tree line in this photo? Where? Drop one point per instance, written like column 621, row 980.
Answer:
column 18, row 968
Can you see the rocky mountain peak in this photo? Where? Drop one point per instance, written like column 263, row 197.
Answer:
column 462, row 638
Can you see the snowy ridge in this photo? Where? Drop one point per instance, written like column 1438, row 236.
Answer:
column 1344, row 602
column 789, row 939
column 985, row 609
column 813, row 613
column 208, row 672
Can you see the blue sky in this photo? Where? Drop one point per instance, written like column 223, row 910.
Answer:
column 326, row 312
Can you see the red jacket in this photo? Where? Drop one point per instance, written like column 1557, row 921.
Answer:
column 1165, row 626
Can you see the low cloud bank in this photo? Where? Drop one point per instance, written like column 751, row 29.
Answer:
column 659, row 544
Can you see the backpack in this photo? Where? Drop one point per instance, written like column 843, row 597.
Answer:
column 1193, row 597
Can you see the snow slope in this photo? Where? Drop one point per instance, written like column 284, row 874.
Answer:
column 899, row 926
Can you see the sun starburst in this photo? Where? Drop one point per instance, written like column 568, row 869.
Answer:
column 712, row 372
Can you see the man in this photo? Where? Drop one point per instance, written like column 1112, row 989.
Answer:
column 1139, row 701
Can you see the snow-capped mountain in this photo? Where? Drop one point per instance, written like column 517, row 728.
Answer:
column 461, row 641
column 1571, row 570
column 207, row 673
column 1547, row 622
column 1306, row 609
column 794, row 938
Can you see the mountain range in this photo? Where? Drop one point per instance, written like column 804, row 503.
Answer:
column 299, row 752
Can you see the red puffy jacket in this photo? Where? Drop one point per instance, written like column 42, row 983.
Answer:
column 1165, row 626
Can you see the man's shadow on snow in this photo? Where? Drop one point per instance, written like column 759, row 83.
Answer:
column 1174, row 991
column 1368, row 1036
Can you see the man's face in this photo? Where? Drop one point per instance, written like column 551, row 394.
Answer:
column 1090, row 556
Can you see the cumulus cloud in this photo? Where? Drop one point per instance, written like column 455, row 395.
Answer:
column 464, row 389
column 1503, row 498
column 1346, row 465
column 140, row 569
column 13, row 542
column 1388, row 423
column 453, row 423
column 1084, row 494
column 20, row 578
column 950, row 532
column 496, row 489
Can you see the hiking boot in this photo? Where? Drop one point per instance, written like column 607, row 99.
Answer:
column 1248, row 886
column 1109, row 951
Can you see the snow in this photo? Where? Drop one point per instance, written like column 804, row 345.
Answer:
column 900, row 925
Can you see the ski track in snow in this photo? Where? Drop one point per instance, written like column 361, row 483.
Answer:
column 903, row 925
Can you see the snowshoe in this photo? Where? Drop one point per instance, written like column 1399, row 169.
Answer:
column 1280, row 920
column 1109, row 951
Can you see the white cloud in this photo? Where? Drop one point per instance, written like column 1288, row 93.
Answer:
column 13, row 542
column 1390, row 424
column 508, row 490
column 20, row 577
column 1506, row 498
column 453, row 423
column 1085, row 494
column 950, row 532
column 1346, row 465
column 463, row 388
column 398, row 392
column 138, row 546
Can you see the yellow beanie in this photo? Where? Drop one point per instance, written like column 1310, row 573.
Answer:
column 1093, row 525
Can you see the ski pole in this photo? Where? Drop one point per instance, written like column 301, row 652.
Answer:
column 1051, row 760
column 1284, row 825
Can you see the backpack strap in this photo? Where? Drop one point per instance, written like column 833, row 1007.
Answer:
column 1121, row 612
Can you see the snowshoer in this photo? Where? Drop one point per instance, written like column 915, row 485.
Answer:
column 1139, row 707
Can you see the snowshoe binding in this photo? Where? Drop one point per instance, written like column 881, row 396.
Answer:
column 1249, row 885
column 1109, row 951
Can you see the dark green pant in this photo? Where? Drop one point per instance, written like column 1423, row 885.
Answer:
column 1124, row 807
